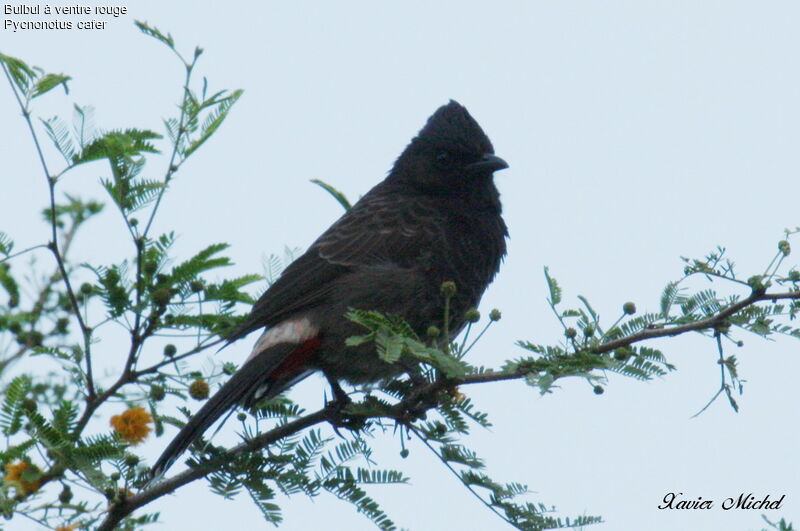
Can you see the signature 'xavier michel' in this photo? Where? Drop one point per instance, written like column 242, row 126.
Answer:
column 436, row 217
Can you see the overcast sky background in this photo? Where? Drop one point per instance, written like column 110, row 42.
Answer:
column 636, row 132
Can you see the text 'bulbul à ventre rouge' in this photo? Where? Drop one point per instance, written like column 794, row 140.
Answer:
column 57, row 24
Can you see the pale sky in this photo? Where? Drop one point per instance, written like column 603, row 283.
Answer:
column 636, row 132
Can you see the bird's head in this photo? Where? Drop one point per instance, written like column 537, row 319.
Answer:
column 450, row 153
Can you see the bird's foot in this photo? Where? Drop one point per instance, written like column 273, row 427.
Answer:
column 337, row 417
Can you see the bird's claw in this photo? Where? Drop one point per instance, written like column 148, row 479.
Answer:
column 340, row 419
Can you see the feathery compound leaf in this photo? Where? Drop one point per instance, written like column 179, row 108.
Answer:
column 64, row 417
column 380, row 477
column 668, row 298
column 12, row 453
column 230, row 290
column 552, row 285
column 395, row 338
column 349, row 491
column 59, row 134
column 202, row 261
column 588, row 307
column 118, row 145
column 456, row 453
column 22, row 74
column 48, row 82
column 453, row 418
column 308, row 449
column 334, row 461
column 48, row 434
column 262, row 495
column 465, row 406
column 214, row 120
column 10, row 285
column 97, row 448
column 6, row 244
column 83, row 125
column 706, row 301
column 336, row 194
column 11, row 413
column 154, row 32
column 114, row 293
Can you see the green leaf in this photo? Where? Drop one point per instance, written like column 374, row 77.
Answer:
column 393, row 348
column 114, row 294
column 456, row 453
column 114, row 145
column 59, row 134
column 262, row 495
column 450, row 366
column 336, row 194
column 668, row 297
column 6, row 244
column 50, row 436
column 12, row 453
column 22, row 74
column 380, row 477
column 97, row 448
column 229, row 290
column 349, row 491
column 552, row 285
column 354, row 341
column 202, row 261
column 11, row 412
column 10, row 285
column 83, row 125
column 154, row 32
column 213, row 121
column 588, row 307
column 48, row 82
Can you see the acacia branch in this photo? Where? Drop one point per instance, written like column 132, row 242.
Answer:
column 419, row 400
column 44, row 293
column 54, row 245
column 125, row 507
column 703, row 324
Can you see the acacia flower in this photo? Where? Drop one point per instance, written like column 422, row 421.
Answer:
column 70, row 527
column 23, row 476
column 133, row 425
column 199, row 389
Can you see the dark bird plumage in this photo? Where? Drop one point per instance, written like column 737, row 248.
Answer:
column 436, row 217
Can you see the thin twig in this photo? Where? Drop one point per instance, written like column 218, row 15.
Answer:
column 54, row 245
column 182, row 132
column 722, row 386
column 19, row 253
column 38, row 306
column 469, row 487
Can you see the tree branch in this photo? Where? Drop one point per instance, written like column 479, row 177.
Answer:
column 54, row 245
column 703, row 324
column 125, row 507
column 420, row 399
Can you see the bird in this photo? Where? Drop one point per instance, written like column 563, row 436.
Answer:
column 435, row 218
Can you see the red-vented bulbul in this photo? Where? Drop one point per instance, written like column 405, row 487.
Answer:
column 436, row 217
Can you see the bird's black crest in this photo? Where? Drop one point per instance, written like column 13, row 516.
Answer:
column 451, row 127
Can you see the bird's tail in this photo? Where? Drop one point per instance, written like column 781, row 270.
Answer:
column 262, row 377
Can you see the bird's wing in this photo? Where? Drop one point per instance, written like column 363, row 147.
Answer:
column 383, row 228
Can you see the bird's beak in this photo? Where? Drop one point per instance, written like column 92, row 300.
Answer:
column 489, row 163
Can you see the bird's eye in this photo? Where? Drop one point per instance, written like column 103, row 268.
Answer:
column 443, row 157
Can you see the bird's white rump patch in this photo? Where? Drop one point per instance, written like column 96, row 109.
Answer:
column 295, row 331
